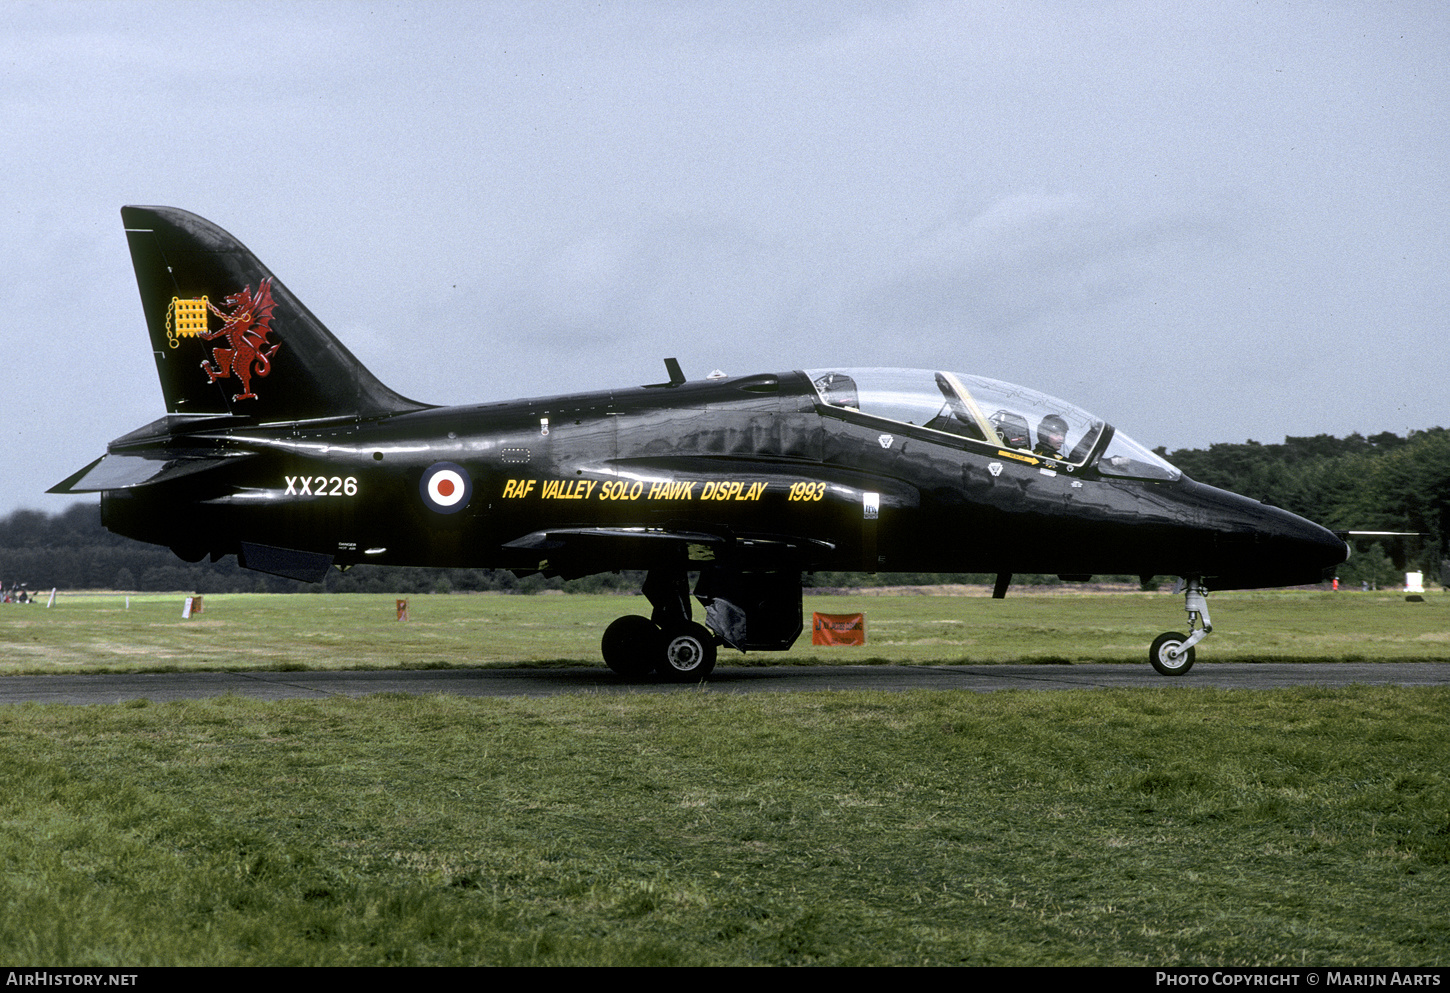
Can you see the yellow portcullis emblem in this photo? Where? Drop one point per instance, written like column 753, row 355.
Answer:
column 189, row 317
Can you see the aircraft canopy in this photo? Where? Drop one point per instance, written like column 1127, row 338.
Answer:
column 990, row 412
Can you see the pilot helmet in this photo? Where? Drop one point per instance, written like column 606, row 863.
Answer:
column 1052, row 424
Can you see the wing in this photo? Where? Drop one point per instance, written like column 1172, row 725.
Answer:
column 579, row 551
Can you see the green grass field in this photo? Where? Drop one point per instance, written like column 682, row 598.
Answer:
column 241, row 631
column 1151, row 826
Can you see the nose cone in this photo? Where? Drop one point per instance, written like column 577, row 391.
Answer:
column 1255, row 545
column 1303, row 541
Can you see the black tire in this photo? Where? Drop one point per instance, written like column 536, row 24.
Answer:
column 631, row 645
column 687, row 654
column 1167, row 654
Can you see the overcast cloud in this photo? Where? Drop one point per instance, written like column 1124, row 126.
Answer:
column 1203, row 222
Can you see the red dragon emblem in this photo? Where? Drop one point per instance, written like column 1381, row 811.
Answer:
column 245, row 329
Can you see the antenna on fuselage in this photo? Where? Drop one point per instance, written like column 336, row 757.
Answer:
column 677, row 377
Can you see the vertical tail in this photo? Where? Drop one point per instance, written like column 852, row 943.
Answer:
column 229, row 338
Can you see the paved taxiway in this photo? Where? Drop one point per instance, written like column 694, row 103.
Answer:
column 87, row 689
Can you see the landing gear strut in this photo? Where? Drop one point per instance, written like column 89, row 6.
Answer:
column 668, row 641
column 1172, row 653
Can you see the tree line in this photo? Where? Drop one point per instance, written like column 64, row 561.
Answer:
column 1380, row 483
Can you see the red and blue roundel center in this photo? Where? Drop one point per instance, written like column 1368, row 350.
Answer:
column 446, row 487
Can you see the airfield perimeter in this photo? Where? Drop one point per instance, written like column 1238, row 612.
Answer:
column 349, row 646
column 385, row 817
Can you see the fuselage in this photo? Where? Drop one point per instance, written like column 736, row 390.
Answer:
column 581, row 483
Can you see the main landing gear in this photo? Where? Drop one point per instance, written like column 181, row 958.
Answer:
column 634, row 645
column 668, row 641
column 1172, row 653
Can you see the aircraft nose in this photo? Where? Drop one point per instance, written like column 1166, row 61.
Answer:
column 1256, row 545
column 1291, row 551
column 1311, row 542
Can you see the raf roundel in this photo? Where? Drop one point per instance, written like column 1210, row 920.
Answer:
column 446, row 488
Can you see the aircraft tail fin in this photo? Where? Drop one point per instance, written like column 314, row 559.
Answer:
column 230, row 339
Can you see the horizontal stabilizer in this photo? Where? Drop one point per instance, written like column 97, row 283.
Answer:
column 121, row 472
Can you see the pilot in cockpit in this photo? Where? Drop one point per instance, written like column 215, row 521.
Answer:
column 1051, row 435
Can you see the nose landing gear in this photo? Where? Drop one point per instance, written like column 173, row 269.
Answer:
column 1172, row 653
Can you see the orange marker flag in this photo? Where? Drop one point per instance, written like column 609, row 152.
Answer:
column 838, row 629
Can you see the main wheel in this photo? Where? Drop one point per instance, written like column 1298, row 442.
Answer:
column 688, row 655
column 1169, row 656
column 631, row 645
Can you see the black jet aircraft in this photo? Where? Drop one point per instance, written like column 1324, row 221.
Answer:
column 279, row 447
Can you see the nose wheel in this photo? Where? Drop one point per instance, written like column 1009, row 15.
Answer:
column 1169, row 656
column 1171, row 653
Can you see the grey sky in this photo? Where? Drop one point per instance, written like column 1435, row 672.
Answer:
column 1203, row 222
